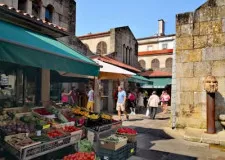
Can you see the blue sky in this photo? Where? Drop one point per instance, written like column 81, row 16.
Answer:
column 140, row 15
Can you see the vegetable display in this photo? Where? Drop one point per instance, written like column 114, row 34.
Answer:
column 106, row 116
column 70, row 129
column 80, row 156
column 114, row 138
column 55, row 134
column 85, row 146
column 42, row 111
column 126, row 131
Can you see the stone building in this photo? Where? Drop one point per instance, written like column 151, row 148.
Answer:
column 118, row 43
column 58, row 12
column 200, row 51
column 155, row 52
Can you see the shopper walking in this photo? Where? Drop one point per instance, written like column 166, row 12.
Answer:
column 90, row 103
column 165, row 102
column 121, row 101
column 131, row 102
column 140, row 104
column 153, row 103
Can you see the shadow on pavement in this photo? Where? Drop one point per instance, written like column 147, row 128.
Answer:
column 145, row 139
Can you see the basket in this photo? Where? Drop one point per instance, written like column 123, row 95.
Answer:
column 106, row 144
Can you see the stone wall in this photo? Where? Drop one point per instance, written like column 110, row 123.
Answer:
column 200, row 51
column 124, row 36
column 64, row 13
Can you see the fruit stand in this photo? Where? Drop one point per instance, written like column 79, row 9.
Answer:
column 27, row 133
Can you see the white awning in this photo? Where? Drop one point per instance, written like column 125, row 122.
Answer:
column 109, row 68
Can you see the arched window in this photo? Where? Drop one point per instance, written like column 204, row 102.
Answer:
column 142, row 63
column 155, row 63
column 130, row 56
column 22, row 5
column 169, row 62
column 124, row 53
column 101, row 48
column 36, row 7
column 49, row 13
column 127, row 55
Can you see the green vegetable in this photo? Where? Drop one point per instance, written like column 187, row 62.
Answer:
column 85, row 146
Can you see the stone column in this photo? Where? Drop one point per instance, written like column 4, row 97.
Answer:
column 29, row 7
column 42, row 13
column 173, row 92
column 110, row 96
column 45, row 86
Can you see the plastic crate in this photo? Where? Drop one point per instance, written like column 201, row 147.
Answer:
column 131, row 149
column 120, row 154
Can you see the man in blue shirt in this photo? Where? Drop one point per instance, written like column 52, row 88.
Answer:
column 121, row 101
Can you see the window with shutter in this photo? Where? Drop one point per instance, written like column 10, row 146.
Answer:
column 101, row 48
column 155, row 63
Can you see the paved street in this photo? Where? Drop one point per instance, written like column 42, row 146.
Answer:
column 156, row 141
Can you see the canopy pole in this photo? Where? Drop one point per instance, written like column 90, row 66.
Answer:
column 97, row 98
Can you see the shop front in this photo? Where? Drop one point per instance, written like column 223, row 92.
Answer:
column 27, row 59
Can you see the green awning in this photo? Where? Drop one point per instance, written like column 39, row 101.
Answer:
column 22, row 46
column 158, row 83
column 140, row 79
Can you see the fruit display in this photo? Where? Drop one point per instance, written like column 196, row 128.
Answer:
column 42, row 138
column 93, row 116
column 70, row 129
column 42, row 111
column 55, row 134
column 15, row 127
column 106, row 116
column 20, row 141
column 5, row 116
column 76, row 110
column 126, row 131
column 84, row 113
column 81, row 156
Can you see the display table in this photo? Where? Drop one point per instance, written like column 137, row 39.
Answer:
column 43, row 148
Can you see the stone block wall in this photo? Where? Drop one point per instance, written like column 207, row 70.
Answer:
column 124, row 36
column 200, row 51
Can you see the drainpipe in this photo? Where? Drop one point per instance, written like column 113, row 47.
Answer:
column 173, row 99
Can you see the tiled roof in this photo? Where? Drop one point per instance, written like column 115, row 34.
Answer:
column 115, row 62
column 156, row 74
column 95, row 35
column 164, row 51
column 31, row 17
column 152, row 37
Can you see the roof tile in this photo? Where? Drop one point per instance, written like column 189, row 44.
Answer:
column 156, row 74
column 164, row 51
column 115, row 62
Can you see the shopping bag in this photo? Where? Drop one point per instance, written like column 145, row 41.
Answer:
column 147, row 111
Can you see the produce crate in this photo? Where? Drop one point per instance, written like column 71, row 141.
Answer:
column 50, row 116
column 116, row 124
column 78, row 135
column 64, row 124
column 120, row 154
column 43, row 148
column 131, row 137
column 106, row 144
column 131, row 149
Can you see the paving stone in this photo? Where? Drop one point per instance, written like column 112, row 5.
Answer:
column 194, row 135
column 210, row 138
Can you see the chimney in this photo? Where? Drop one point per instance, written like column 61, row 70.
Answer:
column 161, row 27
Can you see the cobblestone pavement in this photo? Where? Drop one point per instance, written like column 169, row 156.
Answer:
column 156, row 141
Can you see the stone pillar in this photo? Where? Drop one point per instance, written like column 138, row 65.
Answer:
column 45, row 86
column 173, row 90
column 29, row 7
column 42, row 13
column 110, row 96
column 97, row 96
